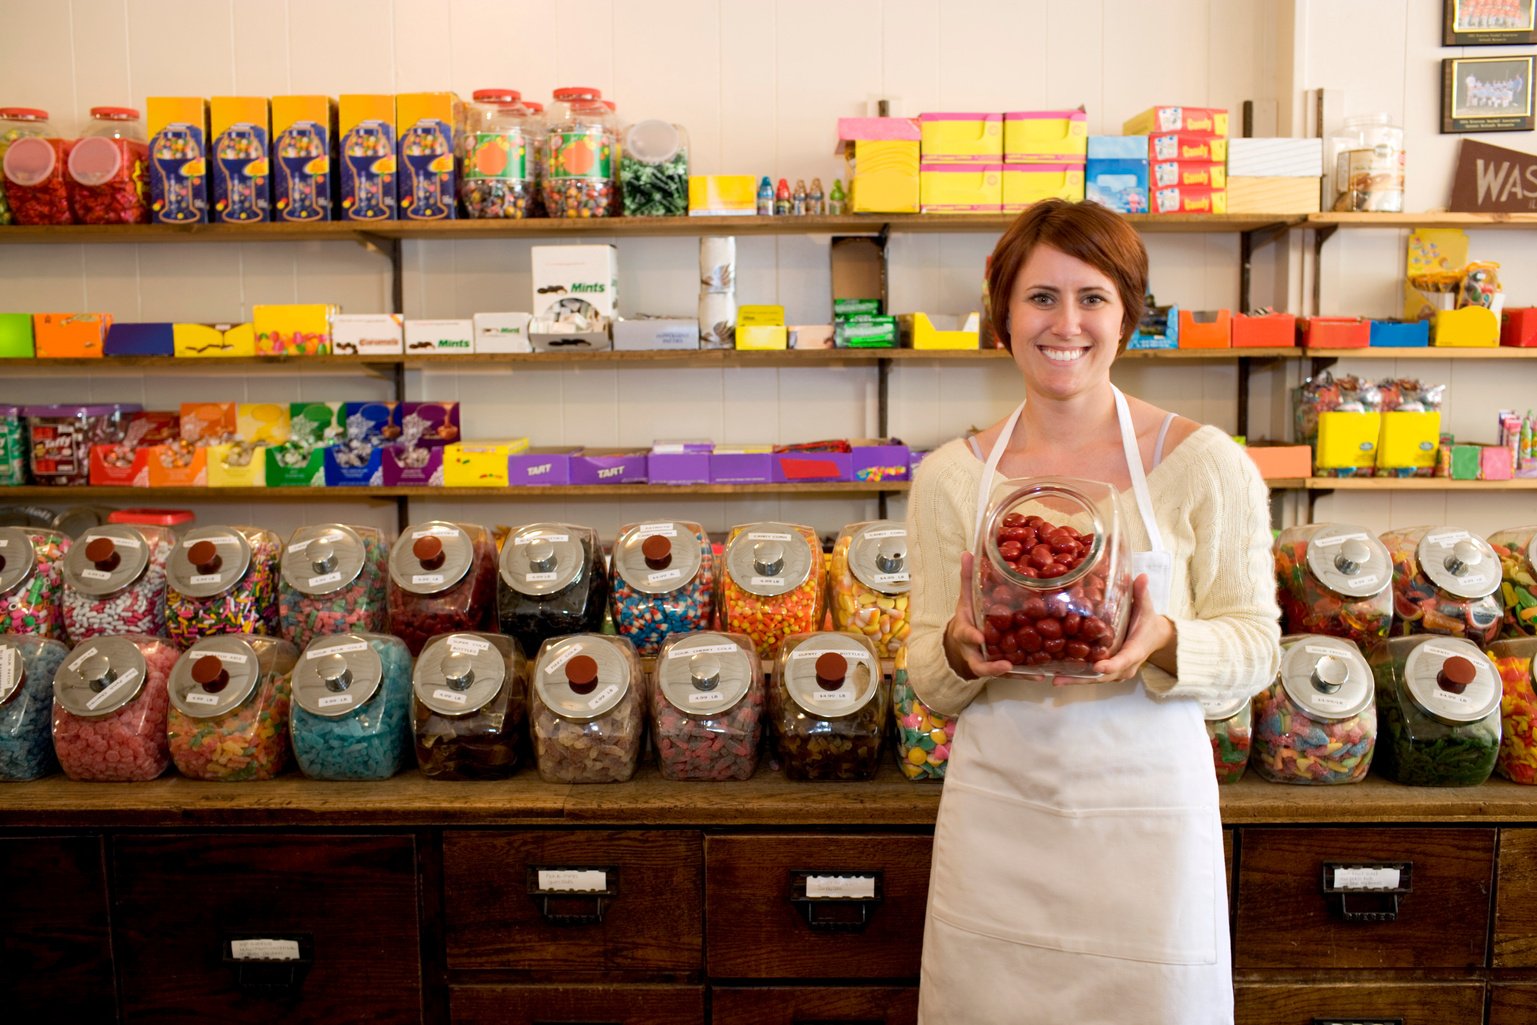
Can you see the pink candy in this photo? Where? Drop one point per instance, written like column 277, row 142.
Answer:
column 125, row 745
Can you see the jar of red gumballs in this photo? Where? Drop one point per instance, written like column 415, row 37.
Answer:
column 1445, row 581
column 580, row 154
column 1052, row 586
column 1317, row 723
column 333, row 581
column 110, row 709
column 32, row 581
column 1517, row 549
column 33, row 163
column 114, row 581
column 442, row 580
column 230, row 697
column 870, row 581
column 471, row 706
column 774, row 584
column 1335, row 579
column 107, row 171
column 1230, row 729
column 828, row 705
column 1514, row 658
column 707, row 707
column 222, row 580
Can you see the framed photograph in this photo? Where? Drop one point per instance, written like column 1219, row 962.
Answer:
column 1486, row 94
column 1487, row 22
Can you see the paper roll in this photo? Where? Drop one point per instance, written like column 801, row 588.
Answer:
column 717, row 264
column 717, row 320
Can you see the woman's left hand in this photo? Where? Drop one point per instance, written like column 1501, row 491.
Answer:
column 1148, row 633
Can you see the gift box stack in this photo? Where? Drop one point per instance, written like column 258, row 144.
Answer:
column 1044, row 152
column 1274, row 176
column 960, row 168
column 1187, row 158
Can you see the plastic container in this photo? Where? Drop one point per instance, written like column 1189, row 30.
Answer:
column 662, row 582
column 442, row 580
column 653, row 170
column 27, row 665
column 32, row 158
column 114, row 581
column 828, row 705
column 333, row 582
column 471, row 706
column 1229, row 726
column 107, row 173
column 110, row 705
column 923, row 735
column 351, row 716
column 32, row 581
column 580, row 158
column 870, row 580
column 774, row 583
column 222, row 580
column 1336, row 579
column 60, row 438
column 1513, row 660
column 1369, row 165
column 1317, row 723
column 498, row 170
column 1517, row 549
column 587, row 706
column 707, row 707
column 551, row 582
column 230, row 698
column 1445, row 581
column 13, row 445
column 1052, row 590
column 1438, row 710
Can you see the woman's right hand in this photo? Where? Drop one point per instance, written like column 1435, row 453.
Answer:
column 964, row 643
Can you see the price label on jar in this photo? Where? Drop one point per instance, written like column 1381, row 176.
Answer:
column 539, row 578
column 325, row 578
column 220, row 539
column 877, row 535
column 704, row 697
column 856, row 887
column 573, row 880
column 1330, row 542
column 1447, row 537
column 766, row 581
column 855, row 655
column 603, row 695
column 79, row 661
column 841, row 694
column 468, row 645
column 707, row 649
column 95, row 574
column 652, row 529
column 661, row 576
column 334, row 700
column 452, row 696
column 232, row 657
column 205, row 578
column 336, row 649
column 127, row 679
column 768, row 535
column 195, row 697
column 530, row 539
column 439, row 530
column 427, row 578
column 299, row 546
column 554, row 665
column 892, row 578
column 127, row 542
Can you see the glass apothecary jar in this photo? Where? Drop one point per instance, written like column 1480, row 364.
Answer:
column 471, row 706
column 661, row 582
column 230, row 701
column 1335, row 579
column 1317, row 723
column 351, row 716
column 110, row 707
column 333, row 581
column 1445, row 581
column 1438, row 709
column 774, row 583
column 442, row 580
column 551, row 582
column 828, row 706
column 870, row 579
column 587, row 706
column 707, row 707
column 222, row 580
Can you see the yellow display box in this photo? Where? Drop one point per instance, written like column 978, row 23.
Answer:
column 1347, row 440
column 1046, row 137
column 1024, row 184
column 1409, row 439
column 264, row 422
column 293, row 329
column 224, row 474
column 761, row 327
column 881, row 158
column 722, row 195
column 962, row 188
column 1472, row 327
column 479, row 464
column 922, row 331
column 205, row 341
column 961, row 138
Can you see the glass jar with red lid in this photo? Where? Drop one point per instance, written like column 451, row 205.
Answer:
column 32, row 157
column 497, row 159
column 580, row 154
column 107, row 169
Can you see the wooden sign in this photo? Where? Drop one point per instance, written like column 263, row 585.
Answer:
column 1494, row 179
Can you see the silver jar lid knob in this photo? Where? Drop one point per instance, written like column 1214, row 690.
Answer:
column 704, row 672
column 459, row 670
column 768, row 557
column 334, row 673
column 1465, row 556
column 891, row 555
column 1330, row 674
column 322, row 556
column 97, row 671
column 541, row 555
column 1351, row 556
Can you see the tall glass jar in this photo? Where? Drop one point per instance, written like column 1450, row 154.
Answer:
column 18, row 123
column 108, row 169
column 1369, row 165
column 497, row 159
column 33, row 156
column 579, row 155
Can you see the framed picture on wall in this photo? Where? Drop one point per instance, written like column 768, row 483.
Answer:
column 1488, row 22
column 1486, row 94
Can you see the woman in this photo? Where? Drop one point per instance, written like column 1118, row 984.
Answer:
column 1078, row 868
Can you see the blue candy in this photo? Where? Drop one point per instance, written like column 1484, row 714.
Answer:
column 26, row 721
column 370, row 743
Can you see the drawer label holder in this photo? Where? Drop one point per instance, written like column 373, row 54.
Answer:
column 1358, row 1021
column 1367, row 891
column 836, row 901
column 268, row 963
column 573, row 894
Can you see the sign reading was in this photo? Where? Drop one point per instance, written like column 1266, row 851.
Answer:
column 1492, row 179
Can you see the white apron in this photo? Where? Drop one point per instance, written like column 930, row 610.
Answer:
column 1078, row 868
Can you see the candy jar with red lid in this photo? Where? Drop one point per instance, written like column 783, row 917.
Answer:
column 230, row 698
column 552, row 582
column 707, row 707
column 1052, row 588
column 828, row 705
column 1317, row 723
column 107, row 169
column 497, row 162
column 114, row 581
column 774, row 584
column 110, row 708
column 1229, row 727
column 870, row 579
column 661, row 582
column 222, row 580
column 442, row 580
column 351, row 714
column 580, row 154
column 18, row 123
column 470, row 706
column 1438, row 709
column 333, row 581
column 1445, row 581
column 32, row 581
column 33, row 158
column 1335, row 579
column 587, row 706
column 1517, row 549
column 27, row 665
column 1515, row 659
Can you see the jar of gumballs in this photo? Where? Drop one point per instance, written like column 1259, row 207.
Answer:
column 580, row 155
column 497, row 159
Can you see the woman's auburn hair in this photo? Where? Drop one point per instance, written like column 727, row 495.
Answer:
column 1085, row 231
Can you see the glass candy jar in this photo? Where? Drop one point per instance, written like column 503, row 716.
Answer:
column 1517, row 550
column 870, row 580
column 828, row 706
column 1438, row 706
column 587, row 707
column 1335, row 579
column 351, row 716
column 470, row 709
column 774, row 583
column 1317, row 723
column 442, row 580
column 661, row 582
column 551, row 582
column 230, row 698
column 1445, row 581
column 707, row 707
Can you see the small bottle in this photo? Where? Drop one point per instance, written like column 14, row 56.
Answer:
column 765, row 197
column 836, row 200
column 815, row 202
column 782, row 199
column 798, row 198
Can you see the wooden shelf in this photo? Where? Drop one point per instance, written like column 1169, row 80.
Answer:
column 152, row 496
column 1422, row 219
column 1424, row 352
column 1416, row 484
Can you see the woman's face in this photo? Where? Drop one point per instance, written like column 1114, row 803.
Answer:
column 1064, row 323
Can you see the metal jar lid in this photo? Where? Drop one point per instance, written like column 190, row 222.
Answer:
column 1349, row 561
column 769, row 559
column 337, row 675
column 878, row 557
column 1326, row 677
column 1451, row 680
column 582, row 677
column 1224, row 708
column 830, row 675
column 12, row 668
column 705, row 674
column 431, row 557
column 658, row 558
column 323, row 559
column 545, row 558
column 459, row 674
column 18, row 558
column 208, row 561
column 106, row 559
column 1459, row 563
column 217, row 674
column 100, row 676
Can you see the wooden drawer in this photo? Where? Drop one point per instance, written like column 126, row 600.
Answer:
column 55, row 947
column 1512, row 1005
column 1285, row 920
column 1515, row 926
column 1364, row 1000
column 588, row 1005
column 756, row 930
column 649, row 926
column 802, row 1005
column 350, row 900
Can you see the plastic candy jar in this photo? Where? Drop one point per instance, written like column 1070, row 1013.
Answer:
column 18, row 123
column 497, row 160
column 1513, row 658
column 442, row 580
column 333, row 582
column 662, row 581
column 27, row 665
column 551, row 582
column 579, row 155
column 1317, row 723
column 222, row 580
column 1369, row 165
column 110, row 708
column 1517, row 549
column 114, row 581
column 923, row 735
column 774, row 583
column 707, row 707
column 229, row 708
column 61, row 437
column 32, row 581
column 1438, row 705
column 471, row 706
column 351, row 717
column 1445, row 581
column 653, row 170
column 1336, row 580
column 1229, row 727
column 828, row 705
column 1052, row 589
column 33, row 157
column 107, row 170
column 870, row 581
column 587, row 707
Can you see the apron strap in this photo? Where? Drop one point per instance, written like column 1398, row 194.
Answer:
column 985, row 484
column 1138, row 476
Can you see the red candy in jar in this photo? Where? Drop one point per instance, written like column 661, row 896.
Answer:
column 1334, row 579
column 774, row 584
column 442, row 580
column 114, row 581
column 1445, row 581
column 33, row 164
column 707, row 707
column 106, row 174
column 110, row 709
column 1052, row 591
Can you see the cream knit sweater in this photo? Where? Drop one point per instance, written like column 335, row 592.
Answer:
column 1213, row 511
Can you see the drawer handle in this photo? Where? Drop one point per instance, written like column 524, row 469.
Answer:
column 836, row 901
column 563, row 1021
column 1358, row 1021
column 838, row 1021
column 269, row 963
column 572, row 894
column 1374, row 885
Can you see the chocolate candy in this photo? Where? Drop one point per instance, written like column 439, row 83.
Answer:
column 60, row 438
column 32, row 581
column 229, row 708
column 707, row 707
column 587, row 709
column 351, row 716
column 1317, row 723
column 662, row 580
column 774, row 583
column 1445, row 581
column 110, row 707
column 1517, row 760
column 828, row 705
column 333, row 582
column 1228, row 727
column 1336, row 580
column 222, row 580
column 924, row 736
column 442, row 580
column 114, row 581
column 1438, row 707
column 551, row 583
column 1517, row 547
column 27, row 665
column 870, row 581
column 470, row 706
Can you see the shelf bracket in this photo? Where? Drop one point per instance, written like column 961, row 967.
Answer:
column 390, row 249
column 1321, row 234
column 1248, row 242
column 1314, row 494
